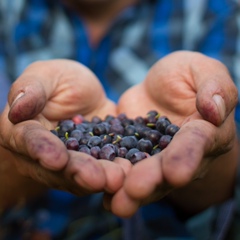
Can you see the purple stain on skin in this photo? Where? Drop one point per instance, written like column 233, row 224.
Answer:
column 25, row 107
column 210, row 113
column 46, row 151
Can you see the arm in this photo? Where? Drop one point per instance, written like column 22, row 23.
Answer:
column 15, row 187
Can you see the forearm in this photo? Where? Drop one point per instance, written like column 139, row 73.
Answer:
column 14, row 187
column 215, row 187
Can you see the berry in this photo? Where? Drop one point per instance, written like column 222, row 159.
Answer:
column 67, row 125
column 99, row 129
column 164, row 141
column 162, row 123
column 94, row 141
column 94, row 151
column 144, row 145
column 107, row 152
column 129, row 142
column 72, row 144
column 121, row 152
column 137, row 156
column 116, row 128
column 76, row 133
column 130, row 130
column 96, row 119
column 171, row 129
column 131, row 152
column 84, row 149
column 153, row 135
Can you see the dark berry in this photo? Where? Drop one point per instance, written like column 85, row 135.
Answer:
column 131, row 152
column 171, row 129
column 96, row 119
column 153, row 135
column 105, row 139
column 142, row 131
column 84, row 149
column 99, row 129
column 162, row 124
column 107, row 152
column 67, row 125
column 164, row 141
column 130, row 130
column 109, row 118
column 94, row 141
column 72, row 144
column 145, row 145
column 77, row 134
column 122, row 116
column 137, row 156
column 94, row 151
column 116, row 129
column 121, row 152
column 139, row 120
column 129, row 142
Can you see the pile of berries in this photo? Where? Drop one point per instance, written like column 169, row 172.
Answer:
column 132, row 139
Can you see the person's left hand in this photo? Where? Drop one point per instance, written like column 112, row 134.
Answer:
column 196, row 93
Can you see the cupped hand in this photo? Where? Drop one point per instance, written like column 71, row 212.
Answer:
column 196, row 93
column 46, row 92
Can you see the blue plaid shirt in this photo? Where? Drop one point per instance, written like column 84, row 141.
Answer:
column 140, row 35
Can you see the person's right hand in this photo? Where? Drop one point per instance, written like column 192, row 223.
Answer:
column 45, row 93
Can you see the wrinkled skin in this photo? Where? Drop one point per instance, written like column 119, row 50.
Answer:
column 48, row 92
column 182, row 86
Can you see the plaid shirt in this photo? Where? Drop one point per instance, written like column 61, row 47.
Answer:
column 140, row 35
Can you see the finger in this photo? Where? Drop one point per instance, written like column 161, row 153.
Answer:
column 81, row 175
column 150, row 174
column 87, row 172
column 26, row 101
column 125, row 164
column 33, row 140
column 216, row 93
column 121, row 204
column 115, row 174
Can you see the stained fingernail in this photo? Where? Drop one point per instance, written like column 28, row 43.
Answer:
column 220, row 105
column 21, row 94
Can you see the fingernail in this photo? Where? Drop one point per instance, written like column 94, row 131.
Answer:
column 21, row 94
column 220, row 105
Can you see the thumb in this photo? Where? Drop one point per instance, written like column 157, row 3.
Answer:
column 25, row 100
column 214, row 102
column 216, row 93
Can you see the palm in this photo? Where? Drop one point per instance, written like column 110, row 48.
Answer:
column 171, row 94
column 178, row 86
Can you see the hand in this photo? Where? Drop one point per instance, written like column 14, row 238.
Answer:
column 45, row 93
column 196, row 93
